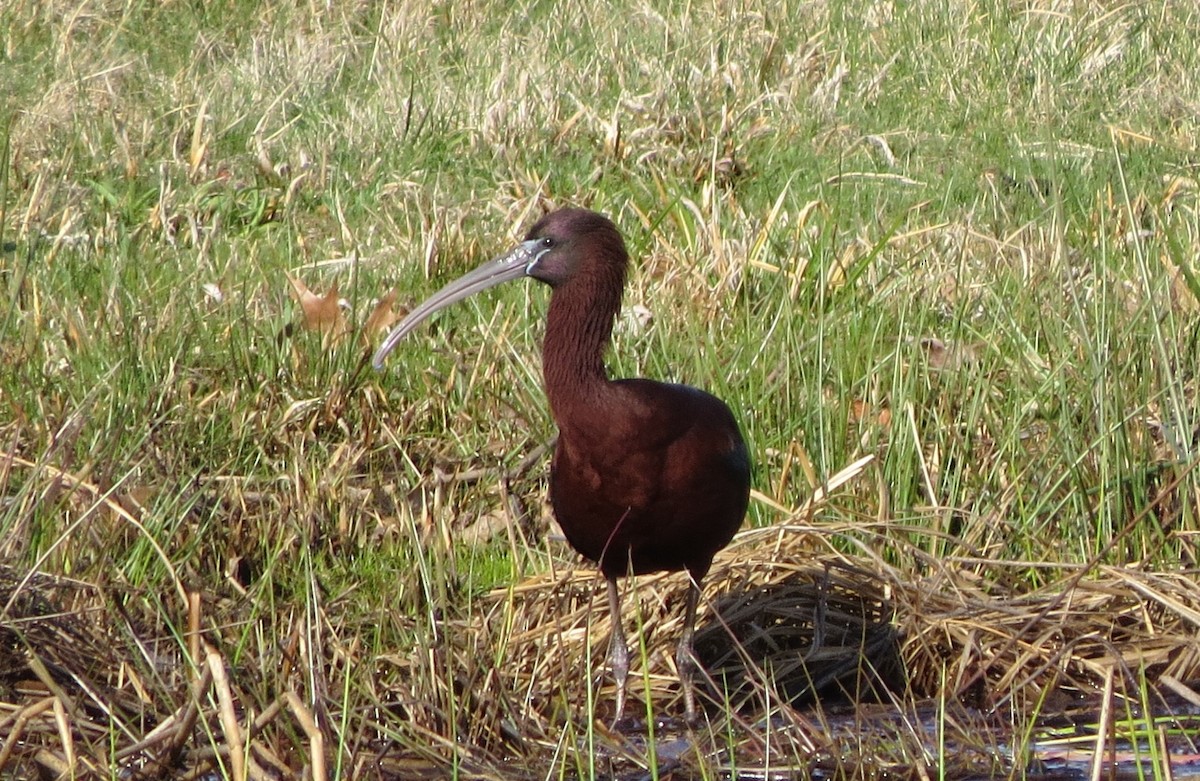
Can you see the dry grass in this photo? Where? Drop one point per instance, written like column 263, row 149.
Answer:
column 88, row 685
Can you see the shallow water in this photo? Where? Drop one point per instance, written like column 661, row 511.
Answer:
column 1067, row 756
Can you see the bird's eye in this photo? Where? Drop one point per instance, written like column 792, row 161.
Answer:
column 547, row 242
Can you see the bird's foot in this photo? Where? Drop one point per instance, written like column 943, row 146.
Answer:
column 685, row 663
column 618, row 650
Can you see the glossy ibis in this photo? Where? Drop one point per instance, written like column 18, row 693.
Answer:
column 646, row 476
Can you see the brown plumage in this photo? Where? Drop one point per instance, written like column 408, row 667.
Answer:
column 646, row 476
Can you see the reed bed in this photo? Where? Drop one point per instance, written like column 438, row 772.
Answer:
column 790, row 636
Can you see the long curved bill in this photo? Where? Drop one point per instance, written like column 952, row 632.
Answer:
column 511, row 265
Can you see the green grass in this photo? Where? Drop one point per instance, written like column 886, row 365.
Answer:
column 811, row 192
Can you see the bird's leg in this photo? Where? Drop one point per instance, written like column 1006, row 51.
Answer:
column 618, row 651
column 685, row 654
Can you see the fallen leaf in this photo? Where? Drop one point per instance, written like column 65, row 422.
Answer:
column 320, row 313
column 382, row 318
column 636, row 318
column 213, row 291
column 482, row 529
column 948, row 356
column 862, row 411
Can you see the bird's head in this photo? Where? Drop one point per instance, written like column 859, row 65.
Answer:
column 571, row 242
column 565, row 245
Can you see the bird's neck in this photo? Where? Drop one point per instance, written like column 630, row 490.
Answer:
column 578, row 329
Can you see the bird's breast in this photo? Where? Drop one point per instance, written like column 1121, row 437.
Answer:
column 637, row 502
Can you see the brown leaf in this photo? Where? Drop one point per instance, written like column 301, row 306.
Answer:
column 862, row 411
column 948, row 356
column 321, row 313
column 483, row 529
column 382, row 317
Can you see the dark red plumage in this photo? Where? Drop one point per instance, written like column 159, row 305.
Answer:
column 646, row 476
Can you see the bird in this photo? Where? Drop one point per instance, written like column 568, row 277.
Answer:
column 645, row 476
